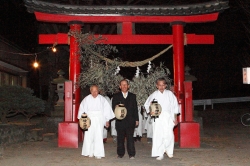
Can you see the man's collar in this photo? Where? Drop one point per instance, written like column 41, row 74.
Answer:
column 162, row 92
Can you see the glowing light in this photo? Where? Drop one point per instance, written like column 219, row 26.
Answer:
column 54, row 49
column 35, row 64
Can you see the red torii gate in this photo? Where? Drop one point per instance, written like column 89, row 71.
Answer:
column 178, row 39
column 126, row 37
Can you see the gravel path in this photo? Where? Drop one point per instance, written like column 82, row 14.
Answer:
column 222, row 144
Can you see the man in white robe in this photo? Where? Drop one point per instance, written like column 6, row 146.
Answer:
column 163, row 135
column 100, row 112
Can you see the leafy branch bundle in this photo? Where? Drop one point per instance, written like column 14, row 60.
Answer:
column 96, row 70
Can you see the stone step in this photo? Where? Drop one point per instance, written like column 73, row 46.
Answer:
column 35, row 134
column 49, row 136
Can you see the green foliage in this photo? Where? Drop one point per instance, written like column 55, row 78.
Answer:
column 18, row 100
column 99, row 72
column 143, row 86
column 97, row 69
column 102, row 74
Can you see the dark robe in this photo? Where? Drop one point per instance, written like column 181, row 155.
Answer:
column 126, row 126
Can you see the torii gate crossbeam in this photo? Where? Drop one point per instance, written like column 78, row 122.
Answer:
column 62, row 38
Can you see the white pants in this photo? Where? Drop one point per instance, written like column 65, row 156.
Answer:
column 163, row 135
column 93, row 137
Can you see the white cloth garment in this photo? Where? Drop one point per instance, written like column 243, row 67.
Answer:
column 141, row 126
column 113, row 130
column 163, row 136
column 105, row 131
column 144, row 120
column 125, row 95
column 99, row 111
column 149, row 127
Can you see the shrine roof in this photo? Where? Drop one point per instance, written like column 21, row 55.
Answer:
column 127, row 10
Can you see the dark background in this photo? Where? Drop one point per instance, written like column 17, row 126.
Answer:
column 218, row 67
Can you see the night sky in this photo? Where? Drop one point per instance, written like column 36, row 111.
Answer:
column 217, row 67
column 17, row 25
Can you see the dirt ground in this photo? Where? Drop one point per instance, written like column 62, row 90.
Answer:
column 224, row 142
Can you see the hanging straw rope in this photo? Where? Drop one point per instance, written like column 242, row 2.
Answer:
column 131, row 64
column 122, row 64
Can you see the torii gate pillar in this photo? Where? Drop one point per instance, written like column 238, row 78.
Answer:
column 178, row 61
column 74, row 68
column 182, row 132
column 68, row 131
column 178, row 58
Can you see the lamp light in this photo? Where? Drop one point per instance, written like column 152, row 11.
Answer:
column 35, row 64
column 53, row 49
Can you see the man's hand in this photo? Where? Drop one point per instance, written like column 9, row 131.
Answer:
column 107, row 124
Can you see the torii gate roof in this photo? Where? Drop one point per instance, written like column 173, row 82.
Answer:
column 128, row 14
column 127, row 10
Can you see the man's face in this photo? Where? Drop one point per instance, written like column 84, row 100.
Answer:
column 124, row 86
column 161, row 86
column 94, row 91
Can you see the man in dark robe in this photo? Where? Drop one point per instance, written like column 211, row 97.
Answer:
column 126, row 126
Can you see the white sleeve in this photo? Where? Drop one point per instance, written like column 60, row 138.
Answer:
column 82, row 108
column 108, row 112
column 174, row 104
column 148, row 102
column 108, row 99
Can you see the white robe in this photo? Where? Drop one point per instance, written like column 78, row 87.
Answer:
column 105, row 130
column 113, row 130
column 149, row 127
column 163, row 136
column 141, row 127
column 99, row 111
